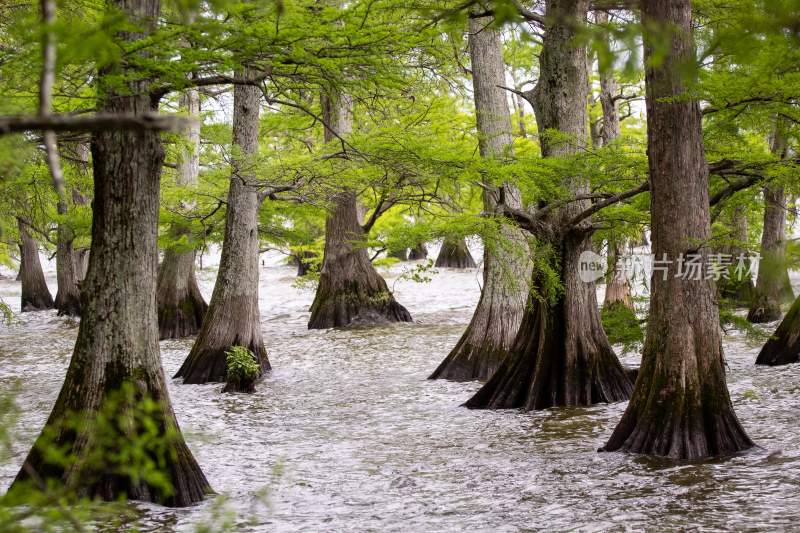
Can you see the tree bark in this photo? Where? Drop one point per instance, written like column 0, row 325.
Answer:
column 350, row 290
column 506, row 264
column 772, row 285
column 618, row 288
column 233, row 317
column 181, row 306
column 35, row 294
column 738, row 291
column 454, row 254
column 680, row 407
column 561, row 355
column 117, row 342
column 783, row 347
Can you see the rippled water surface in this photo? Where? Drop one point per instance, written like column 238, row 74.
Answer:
column 347, row 434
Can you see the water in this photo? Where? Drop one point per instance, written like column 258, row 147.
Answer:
column 347, row 434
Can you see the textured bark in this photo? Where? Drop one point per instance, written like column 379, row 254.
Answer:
column 783, row 347
column 772, row 286
column 608, row 91
column 680, row 407
column 68, row 295
column 506, row 265
column 561, row 355
column 418, row 252
column 181, row 306
column 80, row 257
column 618, row 288
column 454, row 253
column 35, row 294
column 118, row 336
column 739, row 292
column 350, row 290
column 233, row 317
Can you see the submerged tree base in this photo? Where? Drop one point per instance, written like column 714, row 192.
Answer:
column 467, row 362
column 130, row 448
column 355, row 306
column 783, row 347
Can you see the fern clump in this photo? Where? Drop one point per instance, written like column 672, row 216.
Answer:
column 243, row 370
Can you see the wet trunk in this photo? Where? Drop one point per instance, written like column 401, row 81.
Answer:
column 35, row 294
column 68, row 295
column 181, row 306
column 561, row 355
column 233, row 316
column 350, row 290
column 783, row 347
column 771, row 286
column 418, row 252
column 737, row 288
column 506, row 263
column 117, row 344
column 680, row 407
column 454, row 253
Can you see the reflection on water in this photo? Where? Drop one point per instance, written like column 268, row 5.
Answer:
column 347, row 434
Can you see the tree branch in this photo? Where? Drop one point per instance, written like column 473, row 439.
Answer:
column 97, row 122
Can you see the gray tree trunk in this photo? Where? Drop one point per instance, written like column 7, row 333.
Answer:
column 35, row 294
column 561, row 355
column 783, row 347
column 740, row 292
column 680, row 407
column 506, row 263
column 454, row 253
column 233, row 317
column 350, row 290
column 772, row 285
column 117, row 342
column 181, row 306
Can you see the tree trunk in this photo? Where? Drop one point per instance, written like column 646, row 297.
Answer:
column 772, row 286
column 506, row 264
column 35, row 294
column 400, row 254
column 181, row 306
column 618, row 288
column 738, row 291
column 21, row 269
column 783, row 347
column 350, row 290
column 80, row 257
column 454, row 254
column 561, row 355
column 233, row 317
column 608, row 92
column 418, row 252
column 117, row 344
column 680, row 407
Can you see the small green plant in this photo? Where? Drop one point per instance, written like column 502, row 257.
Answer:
column 243, row 370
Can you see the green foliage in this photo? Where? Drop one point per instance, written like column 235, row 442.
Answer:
column 622, row 327
column 128, row 440
column 242, row 364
